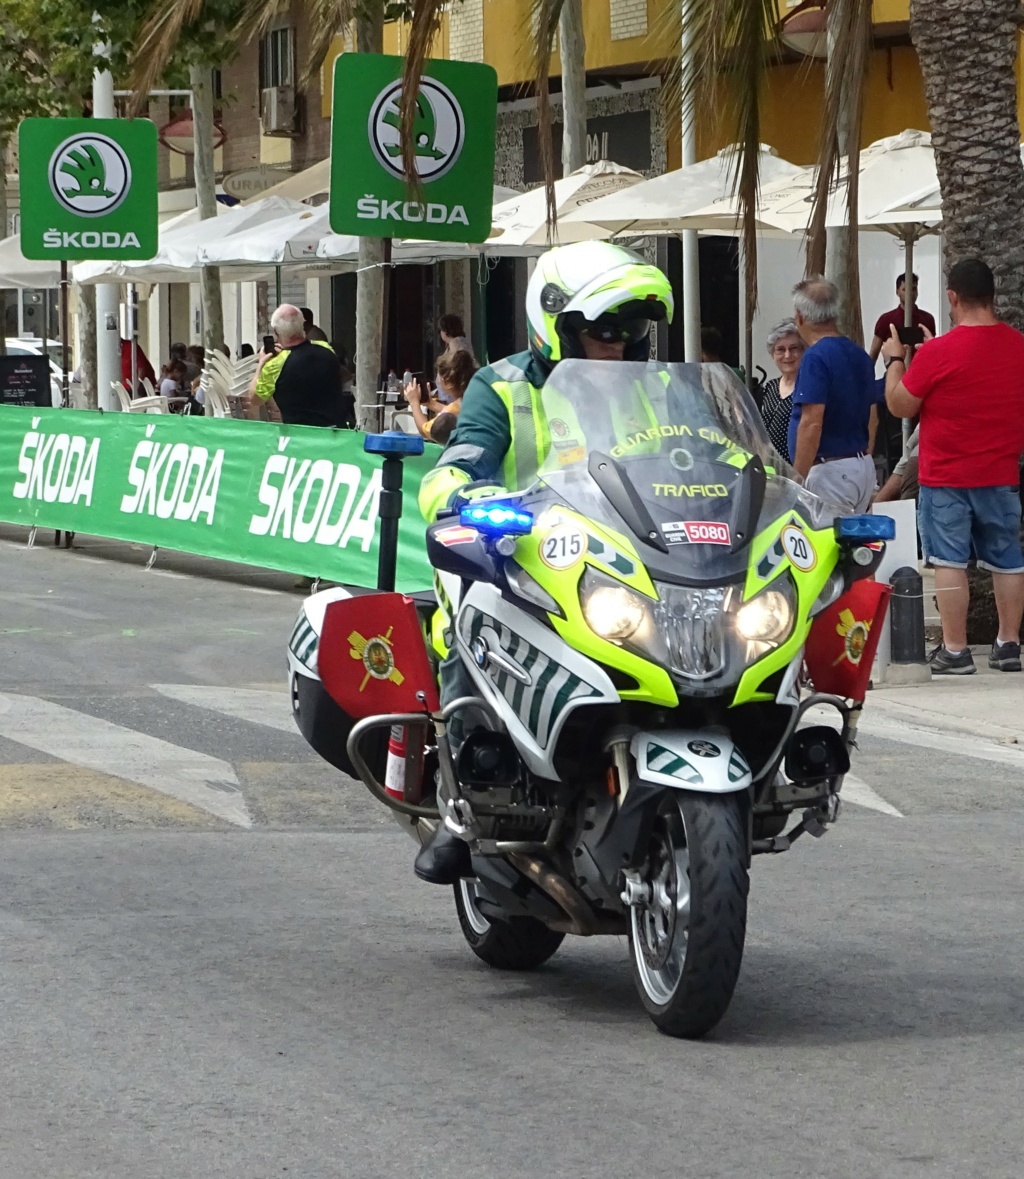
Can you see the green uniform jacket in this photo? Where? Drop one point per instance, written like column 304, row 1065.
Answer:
column 478, row 447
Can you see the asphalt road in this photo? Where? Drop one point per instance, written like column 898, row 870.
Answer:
column 216, row 962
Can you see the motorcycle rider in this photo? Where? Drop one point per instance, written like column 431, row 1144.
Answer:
column 592, row 301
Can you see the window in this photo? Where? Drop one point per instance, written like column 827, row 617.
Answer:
column 277, row 58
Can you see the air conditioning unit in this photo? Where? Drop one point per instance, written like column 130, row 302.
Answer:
column 278, row 110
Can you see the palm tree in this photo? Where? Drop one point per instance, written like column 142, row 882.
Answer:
column 968, row 54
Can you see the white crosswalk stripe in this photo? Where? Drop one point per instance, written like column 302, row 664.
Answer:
column 205, row 782
column 261, row 707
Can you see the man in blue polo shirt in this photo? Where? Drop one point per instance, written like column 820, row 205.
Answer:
column 832, row 429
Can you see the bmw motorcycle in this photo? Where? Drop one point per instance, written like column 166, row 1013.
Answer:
column 630, row 647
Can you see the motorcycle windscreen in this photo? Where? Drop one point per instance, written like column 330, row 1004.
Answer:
column 373, row 659
column 844, row 637
column 675, row 456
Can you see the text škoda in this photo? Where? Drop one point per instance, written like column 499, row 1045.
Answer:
column 374, row 208
column 316, row 500
column 56, row 468
column 89, row 239
column 173, row 479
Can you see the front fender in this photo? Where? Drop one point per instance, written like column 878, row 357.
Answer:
column 691, row 759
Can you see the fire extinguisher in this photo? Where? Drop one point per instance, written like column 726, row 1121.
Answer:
column 403, row 774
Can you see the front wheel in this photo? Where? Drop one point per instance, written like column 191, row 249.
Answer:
column 520, row 943
column 688, row 925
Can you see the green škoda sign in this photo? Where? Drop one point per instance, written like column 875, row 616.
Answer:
column 88, row 189
column 454, row 139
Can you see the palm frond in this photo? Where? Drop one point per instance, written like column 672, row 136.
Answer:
column 158, row 38
column 326, row 20
column 545, row 15
column 426, row 24
column 731, row 42
column 850, row 41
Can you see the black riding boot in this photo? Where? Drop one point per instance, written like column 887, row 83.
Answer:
column 443, row 859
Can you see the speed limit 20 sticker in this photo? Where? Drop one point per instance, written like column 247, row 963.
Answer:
column 563, row 547
column 798, row 548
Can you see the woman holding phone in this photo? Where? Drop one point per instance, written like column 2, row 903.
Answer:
column 454, row 372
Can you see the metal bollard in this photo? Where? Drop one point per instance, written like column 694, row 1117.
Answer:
column 906, row 616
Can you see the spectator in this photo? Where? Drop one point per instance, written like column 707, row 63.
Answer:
column 313, row 331
column 786, row 349
column 303, row 377
column 192, row 370
column 712, row 345
column 223, row 348
column 143, row 369
column 246, row 350
column 453, row 334
column 903, row 483
column 195, row 356
column 832, row 427
column 897, row 317
column 174, row 381
column 968, row 387
column 454, row 372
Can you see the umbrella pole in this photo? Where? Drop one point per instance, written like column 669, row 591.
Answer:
column 908, row 299
column 133, row 311
column 65, row 346
column 908, row 290
column 277, row 286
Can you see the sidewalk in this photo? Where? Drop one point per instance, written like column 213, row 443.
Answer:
column 989, row 704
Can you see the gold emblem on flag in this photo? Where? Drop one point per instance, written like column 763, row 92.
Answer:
column 854, row 634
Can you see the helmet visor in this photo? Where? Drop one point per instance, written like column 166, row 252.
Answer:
column 615, row 328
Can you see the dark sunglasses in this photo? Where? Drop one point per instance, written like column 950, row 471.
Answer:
column 609, row 329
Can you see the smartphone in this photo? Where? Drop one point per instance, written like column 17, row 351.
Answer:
column 911, row 336
column 268, row 344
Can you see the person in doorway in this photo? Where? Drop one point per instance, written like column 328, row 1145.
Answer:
column 832, row 427
column 606, row 313
column 968, row 387
column 143, row 369
column 786, row 350
column 454, row 372
column 453, row 334
column 302, row 377
column 313, row 330
column 712, row 345
column 897, row 317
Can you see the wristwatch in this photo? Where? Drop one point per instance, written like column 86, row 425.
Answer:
column 894, row 360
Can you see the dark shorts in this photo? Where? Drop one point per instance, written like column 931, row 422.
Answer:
column 958, row 522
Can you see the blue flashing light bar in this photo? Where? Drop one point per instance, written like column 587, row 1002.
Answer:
column 394, row 442
column 865, row 529
column 497, row 520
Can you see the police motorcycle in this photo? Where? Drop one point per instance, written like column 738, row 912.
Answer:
column 634, row 633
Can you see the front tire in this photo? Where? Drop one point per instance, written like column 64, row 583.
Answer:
column 686, row 938
column 520, row 943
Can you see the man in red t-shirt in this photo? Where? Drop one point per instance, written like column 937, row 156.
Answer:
column 968, row 387
column 897, row 317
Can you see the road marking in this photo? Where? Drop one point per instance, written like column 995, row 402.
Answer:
column 961, row 744
column 205, row 782
column 857, row 791
column 260, row 707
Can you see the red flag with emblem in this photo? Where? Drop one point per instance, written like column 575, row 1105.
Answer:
column 841, row 646
column 373, row 657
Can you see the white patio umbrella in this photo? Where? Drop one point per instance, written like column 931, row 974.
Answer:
column 522, row 222
column 662, row 205
column 18, row 271
column 177, row 258
column 292, row 238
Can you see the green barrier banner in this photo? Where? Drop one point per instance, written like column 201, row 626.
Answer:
column 295, row 498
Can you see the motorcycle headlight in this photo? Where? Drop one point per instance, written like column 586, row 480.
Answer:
column 765, row 619
column 614, row 612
